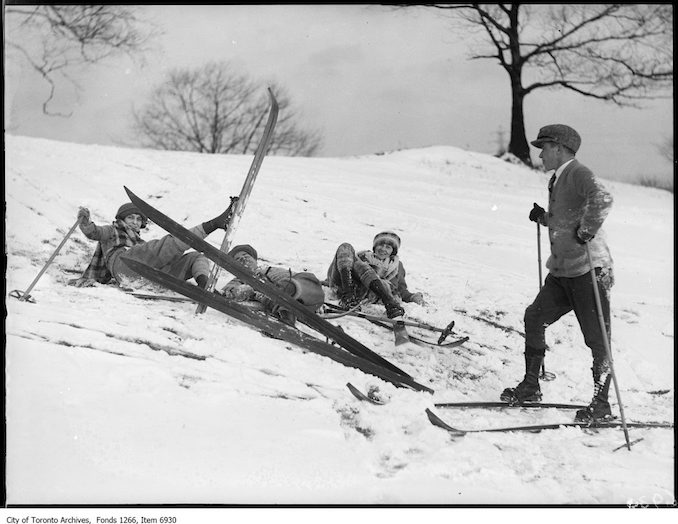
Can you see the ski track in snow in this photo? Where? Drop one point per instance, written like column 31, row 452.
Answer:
column 146, row 403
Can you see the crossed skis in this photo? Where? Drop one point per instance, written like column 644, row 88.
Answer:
column 387, row 370
column 436, row 420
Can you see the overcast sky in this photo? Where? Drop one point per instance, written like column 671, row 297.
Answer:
column 369, row 78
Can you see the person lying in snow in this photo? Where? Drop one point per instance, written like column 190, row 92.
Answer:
column 376, row 275
column 304, row 287
column 124, row 236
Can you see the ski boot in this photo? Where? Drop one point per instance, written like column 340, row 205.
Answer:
column 528, row 389
column 383, row 291
column 521, row 394
column 222, row 221
column 394, row 310
column 596, row 411
column 599, row 408
column 348, row 301
column 347, row 297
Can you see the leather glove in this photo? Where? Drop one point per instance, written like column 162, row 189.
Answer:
column 582, row 236
column 418, row 298
column 536, row 213
column 83, row 215
column 240, row 292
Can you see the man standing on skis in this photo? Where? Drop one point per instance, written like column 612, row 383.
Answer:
column 377, row 275
column 124, row 237
column 578, row 206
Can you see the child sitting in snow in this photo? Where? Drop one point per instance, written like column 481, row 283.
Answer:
column 123, row 236
column 376, row 275
column 304, row 287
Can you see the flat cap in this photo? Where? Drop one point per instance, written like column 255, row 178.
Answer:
column 559, row 134
column 246, row 248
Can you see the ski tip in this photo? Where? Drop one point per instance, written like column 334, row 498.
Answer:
column 437, row 421
column 131, row 195
column 274, row 100
column 355, row 391
column 362, row 396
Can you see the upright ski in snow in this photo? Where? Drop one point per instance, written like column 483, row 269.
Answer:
column 245, row 191
column 276, row 295
column 535, row 428
column 269, row 326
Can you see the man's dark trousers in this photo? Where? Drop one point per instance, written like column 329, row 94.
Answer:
column 560, row 295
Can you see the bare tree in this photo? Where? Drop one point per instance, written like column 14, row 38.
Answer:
column 57, row 39
column 215, row 109
column 619, row 53
column 666, row 149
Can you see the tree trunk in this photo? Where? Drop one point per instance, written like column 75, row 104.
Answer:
column 518, row 143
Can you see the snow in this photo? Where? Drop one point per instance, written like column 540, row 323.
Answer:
column 115, row 400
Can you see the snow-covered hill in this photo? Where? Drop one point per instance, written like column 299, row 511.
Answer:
column 112, row 399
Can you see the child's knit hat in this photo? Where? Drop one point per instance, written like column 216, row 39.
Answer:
column 130, row 209
column 390, row 238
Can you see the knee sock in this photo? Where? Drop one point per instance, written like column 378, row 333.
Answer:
column 202, row 281
column 200, row 271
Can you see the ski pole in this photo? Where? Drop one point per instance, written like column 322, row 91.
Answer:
column 340, row 314
column 444, row 331
column 544, row 375
column 367, row 316
column 26, row 295
column 603, row 330
column 539, row 252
